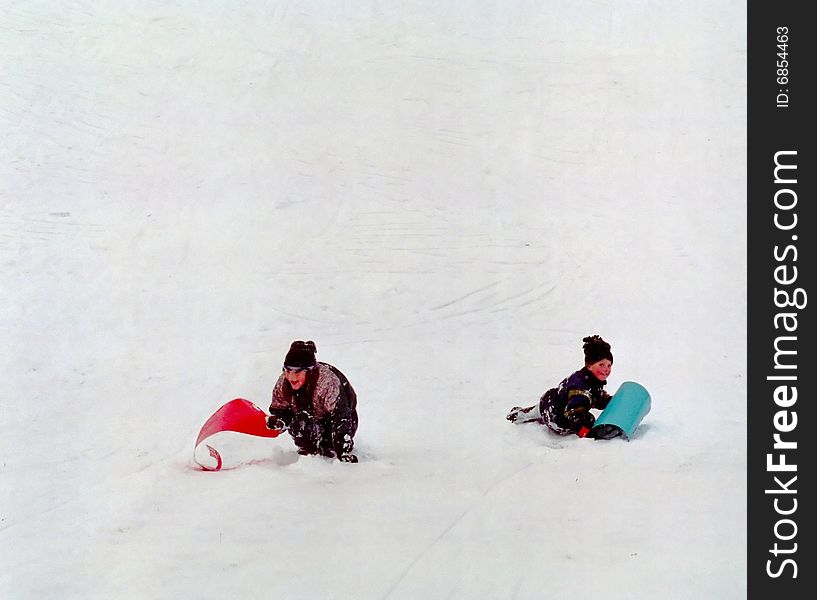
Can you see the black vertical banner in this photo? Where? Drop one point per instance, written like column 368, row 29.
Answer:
column 781, row 341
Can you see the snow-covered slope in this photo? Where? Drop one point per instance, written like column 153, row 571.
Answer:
column 446, row 199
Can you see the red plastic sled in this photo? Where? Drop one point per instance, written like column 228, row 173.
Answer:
column 238, row 415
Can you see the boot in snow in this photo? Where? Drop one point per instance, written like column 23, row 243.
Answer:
column 523, row 415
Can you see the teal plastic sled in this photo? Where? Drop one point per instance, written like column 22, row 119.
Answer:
column 624, row 413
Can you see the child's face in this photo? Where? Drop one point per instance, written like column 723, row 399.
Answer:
column 601, row 370
column 295, row 377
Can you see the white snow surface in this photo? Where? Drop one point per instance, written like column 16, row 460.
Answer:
column 446, row 197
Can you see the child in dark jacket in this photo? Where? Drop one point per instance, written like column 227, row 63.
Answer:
column 565, row 409
column 316, row 403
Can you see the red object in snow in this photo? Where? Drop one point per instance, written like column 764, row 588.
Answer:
column 238, row 415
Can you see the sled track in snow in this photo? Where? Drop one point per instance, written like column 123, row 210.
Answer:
column 458, row 519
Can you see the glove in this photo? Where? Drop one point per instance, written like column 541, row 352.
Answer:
column 603, row 401
column 279, row 418
column 276, row 423
column 587, row 425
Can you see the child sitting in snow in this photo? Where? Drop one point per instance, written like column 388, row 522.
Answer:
column 316, row 403
column 565, row 409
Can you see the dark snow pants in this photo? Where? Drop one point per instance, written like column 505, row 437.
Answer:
column 331, row 435
column 558, row 421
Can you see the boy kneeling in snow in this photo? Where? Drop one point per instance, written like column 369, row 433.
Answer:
column 316, row 403
column 565, row 409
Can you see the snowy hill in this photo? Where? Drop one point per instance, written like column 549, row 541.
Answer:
column 446, row 200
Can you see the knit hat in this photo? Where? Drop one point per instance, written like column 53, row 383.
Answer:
column 596, row 349
column 301, row 355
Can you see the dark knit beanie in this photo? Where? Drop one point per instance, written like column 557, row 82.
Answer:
column 596, row 349
column 301, row 355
